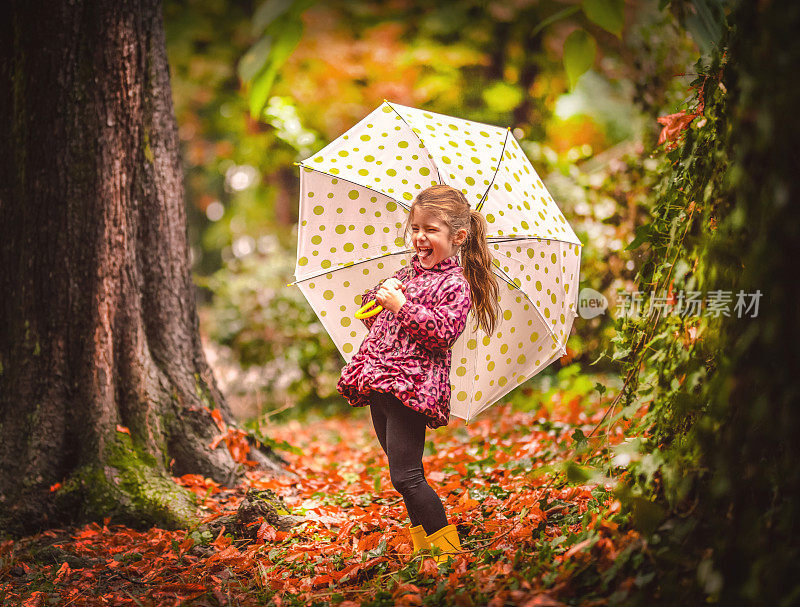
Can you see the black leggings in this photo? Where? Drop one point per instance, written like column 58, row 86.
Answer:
column 401, row 432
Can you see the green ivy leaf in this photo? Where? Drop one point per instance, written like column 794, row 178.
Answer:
column 254, row 59
column 580, row 49
column 283, row 43
column 608, row 14
column 267, row 13
column 642, row 236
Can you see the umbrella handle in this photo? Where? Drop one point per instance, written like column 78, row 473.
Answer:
column 364, row 311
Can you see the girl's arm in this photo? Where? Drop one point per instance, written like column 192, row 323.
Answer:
column 370, row 295
column 438, row 328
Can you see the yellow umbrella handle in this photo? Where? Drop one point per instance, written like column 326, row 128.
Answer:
column 364, row 313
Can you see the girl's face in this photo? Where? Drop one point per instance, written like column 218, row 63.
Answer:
column 432, row 239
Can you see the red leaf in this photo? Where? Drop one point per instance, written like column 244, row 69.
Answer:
column 123, row 429
column 217, row 415
column 674, row 124
column 55, row 487
column 265, row 532
column 62, row 572
column 217, row 440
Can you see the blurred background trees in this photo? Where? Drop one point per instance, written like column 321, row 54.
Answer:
column 259, row 86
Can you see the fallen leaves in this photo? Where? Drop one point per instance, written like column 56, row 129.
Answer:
column 521, row 534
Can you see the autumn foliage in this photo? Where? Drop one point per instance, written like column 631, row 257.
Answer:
column 528, row 538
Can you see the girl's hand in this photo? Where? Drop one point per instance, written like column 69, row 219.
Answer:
column 390, row 294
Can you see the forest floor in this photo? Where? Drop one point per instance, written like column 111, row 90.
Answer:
column 539, row 527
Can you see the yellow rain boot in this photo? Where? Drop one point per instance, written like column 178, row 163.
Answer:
column 447, row 540
column 418, row 538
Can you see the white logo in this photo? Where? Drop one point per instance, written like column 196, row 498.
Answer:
column 591, row 303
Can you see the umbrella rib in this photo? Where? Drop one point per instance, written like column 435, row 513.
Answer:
column 496, row 170
column 350, row 265
column 361, row 185
column 425, row 147
column 499, row 239
column 510, row 282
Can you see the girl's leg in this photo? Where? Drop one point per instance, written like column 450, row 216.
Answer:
column 378, row 417
column 405, row 442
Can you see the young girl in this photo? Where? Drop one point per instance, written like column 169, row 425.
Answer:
column 402, row 369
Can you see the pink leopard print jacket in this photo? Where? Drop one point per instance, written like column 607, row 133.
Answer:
column 408, row 354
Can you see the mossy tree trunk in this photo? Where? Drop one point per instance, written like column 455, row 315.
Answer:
column 98, row 326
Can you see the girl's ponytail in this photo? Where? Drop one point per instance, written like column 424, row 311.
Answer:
column 477, row 262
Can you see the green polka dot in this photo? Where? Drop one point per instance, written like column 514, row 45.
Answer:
column 302, row 261
column 352, row 194
column 462, row 396
column 446, row 160
column 402, row 144
column 326, row 263
column 472, row 344
column 391, row 206
column 318, row 210
column 365, row 137
column 461, row 371
column 369, row 230
column 347, row 347
column 507, row 315
column 425, row 171
column 340, row 229
column 349, row 247
column 316, row 239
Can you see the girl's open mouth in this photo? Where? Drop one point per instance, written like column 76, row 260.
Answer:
column 423, row 253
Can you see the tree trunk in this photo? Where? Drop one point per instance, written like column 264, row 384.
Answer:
column 99, row 327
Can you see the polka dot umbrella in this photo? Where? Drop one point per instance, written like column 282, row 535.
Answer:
column 355, row 196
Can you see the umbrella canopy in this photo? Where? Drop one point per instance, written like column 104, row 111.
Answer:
column 355, row 196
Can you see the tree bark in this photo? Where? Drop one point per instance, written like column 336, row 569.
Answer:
column 99, row 327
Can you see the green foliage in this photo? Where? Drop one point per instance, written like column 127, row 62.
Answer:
column 580, row 49
column 279, row 25
column 718, row 450
column 608, row 14
column 287, row 357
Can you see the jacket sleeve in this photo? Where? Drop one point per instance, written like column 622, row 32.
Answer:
column 370, row 295
column 438, row 328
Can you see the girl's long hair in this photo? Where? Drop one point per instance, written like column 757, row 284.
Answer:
column 450, row 206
